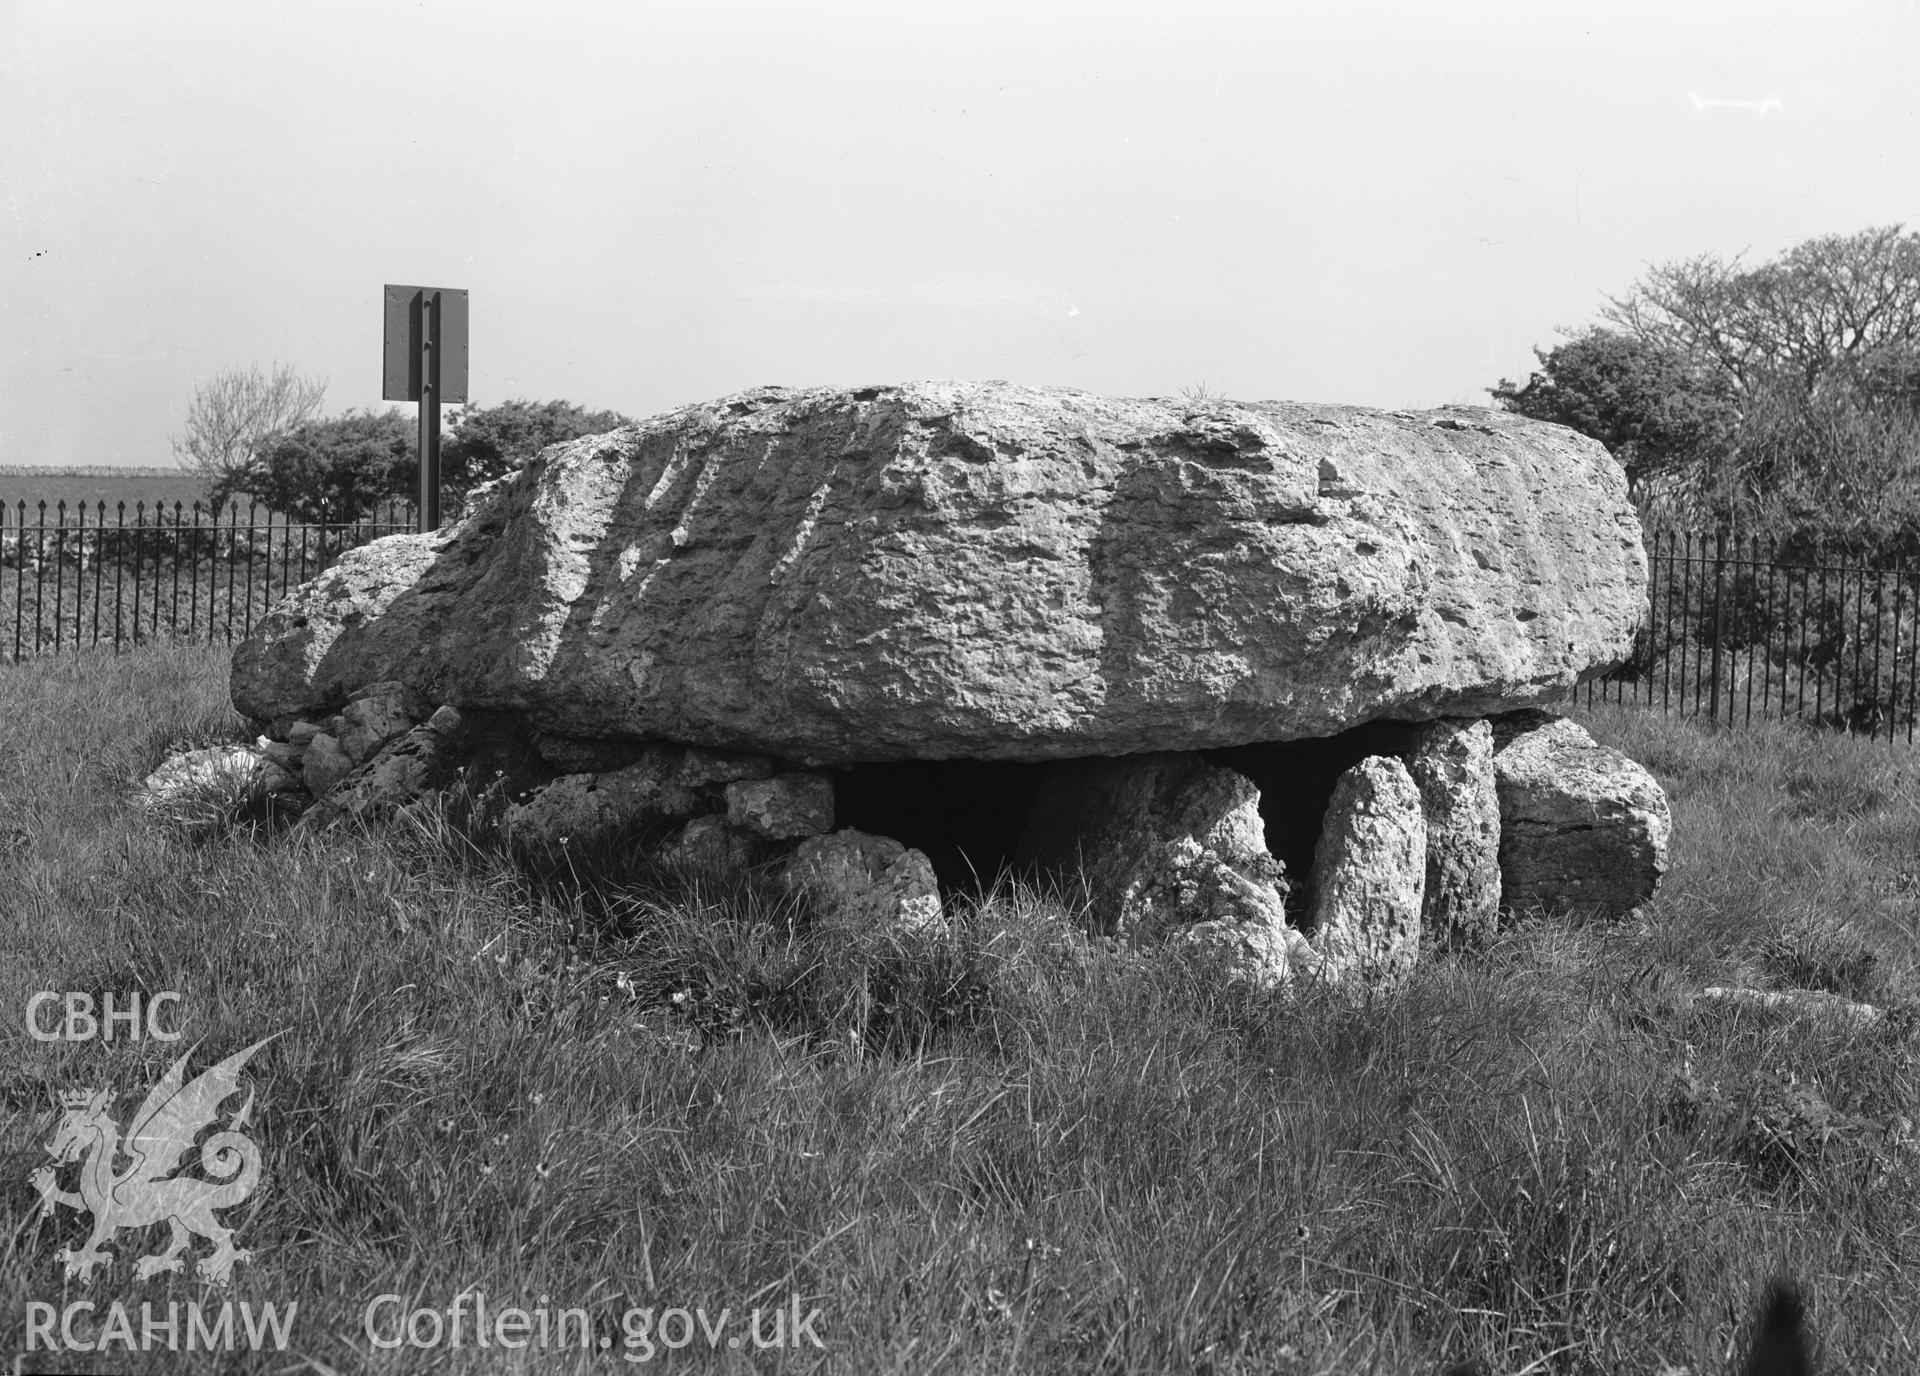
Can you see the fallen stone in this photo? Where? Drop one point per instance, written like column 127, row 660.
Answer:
column 276, row 780
column 870, row 882
column 1370, row 874
column 711, row 842
column 324, row 764
column 782, row 807
column 1815, row 1002
column 378, row 713
column 951, row 570
column 1263, row 953
column 1162, row 844
column 409, row 767
column 1583, row 829
column 579, row 809
column 300, row 735
column 279, row 753
column 200, row 785
column 1451, row 763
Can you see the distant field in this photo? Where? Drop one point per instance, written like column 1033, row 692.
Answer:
column 155, row 487
column 31, row 485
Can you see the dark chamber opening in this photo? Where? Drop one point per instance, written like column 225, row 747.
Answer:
column 1296, row 780
column 966, row 815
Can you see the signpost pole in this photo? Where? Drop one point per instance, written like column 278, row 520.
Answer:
column 424, row 359
column 429, row 414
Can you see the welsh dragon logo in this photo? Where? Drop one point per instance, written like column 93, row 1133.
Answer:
column 157, row 1136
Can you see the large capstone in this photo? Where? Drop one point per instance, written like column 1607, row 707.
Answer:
column 952, row 570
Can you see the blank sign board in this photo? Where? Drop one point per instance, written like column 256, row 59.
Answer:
column 410, row 310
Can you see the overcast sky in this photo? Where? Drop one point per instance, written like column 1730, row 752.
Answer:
column 1380, row 203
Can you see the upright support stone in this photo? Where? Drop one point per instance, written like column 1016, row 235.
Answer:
column 1370, row 874
column 1451, row 763
column 1165, row 844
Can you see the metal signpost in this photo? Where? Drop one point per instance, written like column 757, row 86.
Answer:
column 426, row 361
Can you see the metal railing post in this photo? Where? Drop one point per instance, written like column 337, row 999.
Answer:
column 1719, row 621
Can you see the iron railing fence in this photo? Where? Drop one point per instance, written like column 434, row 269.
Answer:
column 1735, row 632
column 74, row 575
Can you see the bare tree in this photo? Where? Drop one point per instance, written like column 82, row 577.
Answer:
column 1822, row 310
column 234, row 413
column 1816, row 354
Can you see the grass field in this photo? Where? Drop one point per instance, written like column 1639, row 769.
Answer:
column 1002, row 1149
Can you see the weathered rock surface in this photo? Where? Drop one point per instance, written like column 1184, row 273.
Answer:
column 979, row 570
column 424, row 760
column 1160, row 844
column 782, row 807
column 664, row 784
column 324, row 764
column 597, row 755
column 377, row 713
column 1451, row 763
column 1263, row 952
column 871, row 882
column 699, row 768
column 577, row 809
column 1370, row 874
column 1582, row 828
